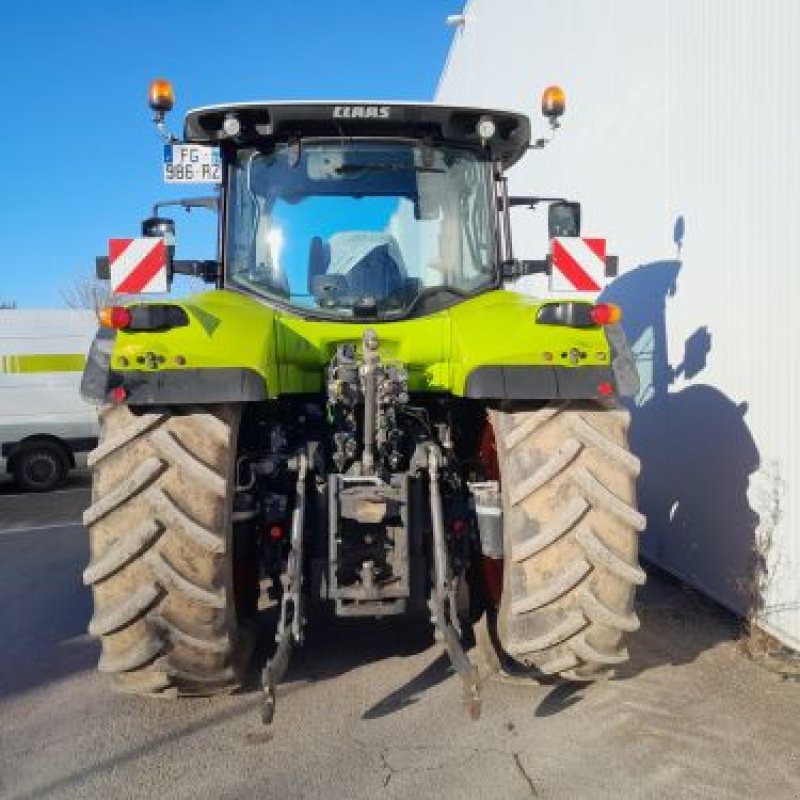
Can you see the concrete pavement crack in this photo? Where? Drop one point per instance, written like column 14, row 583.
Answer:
column 523, row 772
column 387, row 766
column 390, row 771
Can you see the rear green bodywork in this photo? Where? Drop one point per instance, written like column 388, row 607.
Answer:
column 290, row 352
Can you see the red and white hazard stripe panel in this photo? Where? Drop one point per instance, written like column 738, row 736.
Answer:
column 137, row 266
column 578, row 264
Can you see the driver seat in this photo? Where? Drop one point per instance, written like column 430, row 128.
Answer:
column 319, row 259
column 377, row 274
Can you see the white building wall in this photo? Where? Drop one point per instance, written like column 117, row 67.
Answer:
column 681, row 141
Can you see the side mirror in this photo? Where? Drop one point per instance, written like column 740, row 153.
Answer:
column 564, row 219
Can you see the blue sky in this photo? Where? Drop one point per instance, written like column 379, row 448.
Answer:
column 80, row 160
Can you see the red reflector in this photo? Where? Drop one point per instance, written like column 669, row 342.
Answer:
column 275, row 532
column 606, row 314
column 605, row 389
column 118, row 394
column 115, row 317
column 458, row 526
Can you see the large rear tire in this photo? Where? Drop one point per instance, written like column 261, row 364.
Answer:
column 161, row 571
column 570, row 540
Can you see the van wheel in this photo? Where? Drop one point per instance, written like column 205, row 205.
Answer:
column 40, row 465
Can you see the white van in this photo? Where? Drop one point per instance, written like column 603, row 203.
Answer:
column 44, row 422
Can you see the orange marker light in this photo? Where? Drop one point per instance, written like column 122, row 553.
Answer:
column 554, row 101
column 606, row 314
column 115, row 317
column 161, row 95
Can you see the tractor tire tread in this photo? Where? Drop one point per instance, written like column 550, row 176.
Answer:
column 571, row 540
column 143, row 474
column 125, row 612
column 122, row 552
column 142, row 425
column 169, row 576
column 159, row 568
column 168, row 444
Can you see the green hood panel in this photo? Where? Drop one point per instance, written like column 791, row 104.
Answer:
column 230, row 329
column 306, row 346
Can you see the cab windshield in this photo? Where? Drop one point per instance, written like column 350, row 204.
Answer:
column 353, row 229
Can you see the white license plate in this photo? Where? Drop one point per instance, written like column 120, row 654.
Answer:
column 192, row 163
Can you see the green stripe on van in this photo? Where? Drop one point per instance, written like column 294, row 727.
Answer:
column 39, row 362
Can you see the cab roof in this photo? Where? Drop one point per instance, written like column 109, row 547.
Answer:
column 266, row 122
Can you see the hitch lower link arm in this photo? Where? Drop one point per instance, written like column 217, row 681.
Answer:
column 443, row 601
column 290, row 624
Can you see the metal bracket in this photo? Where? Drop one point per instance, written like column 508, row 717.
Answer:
column 290, row 625
column 443, row 602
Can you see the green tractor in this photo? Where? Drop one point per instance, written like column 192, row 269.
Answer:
column 357, row 414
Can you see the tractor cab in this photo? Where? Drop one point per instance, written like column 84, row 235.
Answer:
column 360, row 211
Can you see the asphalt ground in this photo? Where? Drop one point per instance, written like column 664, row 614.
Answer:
column 371, row 709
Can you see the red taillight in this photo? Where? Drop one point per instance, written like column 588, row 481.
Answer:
column 275, row 533
column 118, row 394
column 605, row 389
column 606, row 314
column 115, row 317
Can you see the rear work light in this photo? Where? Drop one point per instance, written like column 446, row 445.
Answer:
column 115, row 317
column 606, row 314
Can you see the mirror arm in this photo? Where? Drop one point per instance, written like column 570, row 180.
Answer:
column 532, row 202
column 163, row 131
column 513, row 269
column 207, row 271
column 211, row 203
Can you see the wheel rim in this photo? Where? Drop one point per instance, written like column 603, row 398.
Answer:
column 41, row 468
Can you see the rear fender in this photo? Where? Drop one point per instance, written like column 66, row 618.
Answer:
column 224, row 354
column 504, row 349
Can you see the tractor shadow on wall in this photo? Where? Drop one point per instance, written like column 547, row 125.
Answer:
column 697, row 457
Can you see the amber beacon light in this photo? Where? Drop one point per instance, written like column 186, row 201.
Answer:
column 554, row 101
column 161, row 95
